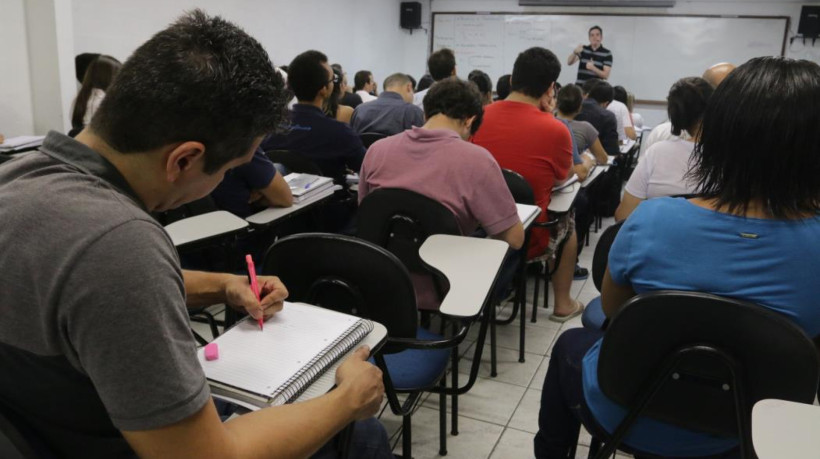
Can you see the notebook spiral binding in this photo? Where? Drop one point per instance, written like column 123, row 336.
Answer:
column 299, row 382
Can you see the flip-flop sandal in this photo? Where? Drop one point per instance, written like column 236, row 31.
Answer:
column 579, row 309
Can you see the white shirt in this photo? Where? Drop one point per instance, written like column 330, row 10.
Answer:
column 94, row 101
column 621, row 116
column 366, row 96
column 661, row 171
column 418, row 98
column 661, row 132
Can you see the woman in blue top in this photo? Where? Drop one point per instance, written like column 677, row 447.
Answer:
column 752, row 234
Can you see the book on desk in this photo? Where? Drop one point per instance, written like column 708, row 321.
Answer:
column 305, row 186
column 275, row 365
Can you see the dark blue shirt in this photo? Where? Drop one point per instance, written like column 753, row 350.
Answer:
column 604, row 121
column 330, row 144
column 233, row 193
column 388, row 115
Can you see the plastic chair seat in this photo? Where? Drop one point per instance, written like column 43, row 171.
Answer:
column 414, row 368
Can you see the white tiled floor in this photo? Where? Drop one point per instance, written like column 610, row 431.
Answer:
column 498, row 417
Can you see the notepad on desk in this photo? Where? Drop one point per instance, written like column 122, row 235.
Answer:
column 305, row 186
column 275, row 365
column 566, row 183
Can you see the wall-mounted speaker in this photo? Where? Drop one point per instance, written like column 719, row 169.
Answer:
column 410, row 17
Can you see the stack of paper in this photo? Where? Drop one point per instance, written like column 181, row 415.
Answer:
column 21, row 143
column 306, row 186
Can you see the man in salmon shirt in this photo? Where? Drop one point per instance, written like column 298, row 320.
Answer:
column 523, row 136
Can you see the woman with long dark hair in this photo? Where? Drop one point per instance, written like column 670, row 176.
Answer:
column 98, row 77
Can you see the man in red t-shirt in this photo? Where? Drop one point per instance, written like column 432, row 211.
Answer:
column 524, row 137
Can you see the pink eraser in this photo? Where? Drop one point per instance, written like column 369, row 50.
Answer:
column 211, row 351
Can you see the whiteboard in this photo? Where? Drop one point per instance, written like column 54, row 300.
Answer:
column 650, row 52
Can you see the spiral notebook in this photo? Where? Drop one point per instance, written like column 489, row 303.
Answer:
column 275, row 365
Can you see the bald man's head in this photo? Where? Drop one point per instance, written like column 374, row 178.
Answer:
column 717, row 73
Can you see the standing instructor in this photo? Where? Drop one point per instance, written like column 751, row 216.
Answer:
column 596, row 61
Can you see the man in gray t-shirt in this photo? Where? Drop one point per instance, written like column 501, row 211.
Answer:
column 97, row 356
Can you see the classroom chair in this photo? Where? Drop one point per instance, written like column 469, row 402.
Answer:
column 523, row 194
column 701, row 362
column 400, row 221
column 317, row 269
column 369, row 138
column 593, row 316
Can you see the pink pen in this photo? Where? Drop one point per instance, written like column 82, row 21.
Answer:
column 254, row 283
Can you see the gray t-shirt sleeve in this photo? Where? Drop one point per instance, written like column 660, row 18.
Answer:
column 124, row 324
column 589, row 132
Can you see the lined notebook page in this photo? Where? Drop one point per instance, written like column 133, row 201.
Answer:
column 261, row 361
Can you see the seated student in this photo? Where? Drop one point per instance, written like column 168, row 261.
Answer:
column 523, row 137
column 626, row 128
column 97, row 354
column 392, row 112
column 98, row 76
column 597, row 96
column 364, row 85
column 348, row 98
column 714, row 75
column 662, row 171
column 502, row 87
column 252, row 187
column 332, row 145
column 333, row 106
column 441, row 64
column 484, row 84
column 758, row 138
column 434, row 160
column 424, row 83
column 637, row 118
column 584, row 134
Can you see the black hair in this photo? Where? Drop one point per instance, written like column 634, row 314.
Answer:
column 425, row 82
column 502, row 86
column 200, row 79
column 686, row 102
column 412, row 80
column 534, row 72
column 285, row 68
column 361, row 78
column 595, row 27
column 481, row 80
column 307, row 75
column 602, row 92
column 338, row 67
column 570, row 99
column 619, row 94
column 99, row 74
column 332, row 102
column 456, row 99
column 441, row 64
column 81, row 63
column 589, row 84
column 759, row 139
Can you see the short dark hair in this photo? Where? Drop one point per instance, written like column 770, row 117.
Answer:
column 481, row 80
column 361, row 78
column 502, row 86
column 602, row 92
column 202, row 79
column 759, row 138
column 595, row 27
column 619, row 94
column 307, row 75
column 534, row 71
column 425, row 82
column 441, row 64
column 456, row 99
column 570, row 99
column 686, row 102
column 589, row 84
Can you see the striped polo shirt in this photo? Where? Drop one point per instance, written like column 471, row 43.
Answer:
column 601, row 57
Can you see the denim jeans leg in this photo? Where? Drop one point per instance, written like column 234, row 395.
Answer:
column 562, row 395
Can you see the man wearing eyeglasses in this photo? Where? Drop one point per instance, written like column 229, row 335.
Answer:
column 330, row 144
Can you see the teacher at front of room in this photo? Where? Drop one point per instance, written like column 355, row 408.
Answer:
column 596, row 61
